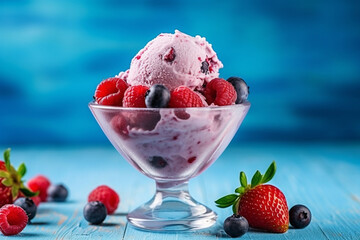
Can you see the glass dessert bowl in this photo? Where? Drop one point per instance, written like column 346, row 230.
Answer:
column 171, row 146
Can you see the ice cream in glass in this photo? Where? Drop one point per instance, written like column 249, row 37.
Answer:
column 171, row 116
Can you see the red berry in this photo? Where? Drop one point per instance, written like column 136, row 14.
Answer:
column 220, row 92
column 134, row 96
column 265, row 208
column 111, row 91
column 13, row 219
column 120, row 125
column 40, row 183
column 36, row 200
column 107, row 196
column 182, row 97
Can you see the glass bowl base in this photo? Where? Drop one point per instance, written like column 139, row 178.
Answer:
column 172, row 211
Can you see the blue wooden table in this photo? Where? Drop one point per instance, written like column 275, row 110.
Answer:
column 325, row 177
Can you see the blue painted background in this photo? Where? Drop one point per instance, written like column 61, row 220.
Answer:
column 300, row 58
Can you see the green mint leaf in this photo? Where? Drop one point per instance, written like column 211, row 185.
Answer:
column 21, row 170
column 14, row 191
column 243, row 179
column 224, row 205
column 240, row 190
column 228, row 199
column 270, row 172
column 235, row 206
column 28, row 193
column 4, row 174
column 7, row 159
column 256, row 180
column 7, row 182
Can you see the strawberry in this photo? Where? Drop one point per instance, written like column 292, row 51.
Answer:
column 220, row 92
column 11, row 185
column 263, row 205
column 110, row 91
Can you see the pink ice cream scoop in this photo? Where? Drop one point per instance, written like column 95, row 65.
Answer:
column 174, row 60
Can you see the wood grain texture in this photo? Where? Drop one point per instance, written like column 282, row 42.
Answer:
column 325, row 177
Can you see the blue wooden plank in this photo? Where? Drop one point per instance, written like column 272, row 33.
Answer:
column 324, row 177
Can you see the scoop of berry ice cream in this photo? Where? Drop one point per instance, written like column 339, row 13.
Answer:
column 174, row 60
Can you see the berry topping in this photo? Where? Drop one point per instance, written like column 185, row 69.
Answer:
column 110, row 91
column 300, row 216
column 205, row 67
column 134, row 96
column 263, row 205
column 170, row 55
column 182, row 97
column 158, row 96
column 11, row 183
column 13, row 219
column 40, row 183
column 157, row 162
column 95, row 212
column 107, row 196
column 220, row 92
column 236, row 226
column 28, row 205
column 241, row 88
column 57, row 193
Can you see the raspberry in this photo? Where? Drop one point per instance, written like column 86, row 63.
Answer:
column 134, row 96
column 111, row 91
column 220, row 92
column 182, row 97
column 36, row 200
column 107, row 196
column 120, row 125
column 40, row 183
column 13, row 219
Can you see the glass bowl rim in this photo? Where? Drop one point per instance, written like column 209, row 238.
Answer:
column 93, row 104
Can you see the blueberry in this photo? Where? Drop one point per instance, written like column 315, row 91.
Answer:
column 236, row 226
column 157, row 162
column 300, row 216
column 241, row 88
column 28, row 205
column 95, row 212
column 158, row 96
column 205, row 67
column 57, row 193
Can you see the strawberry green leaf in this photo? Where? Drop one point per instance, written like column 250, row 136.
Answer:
column 7, row 159
column 256, row 180
column 28, row 193
column 240, row 190
column 14, row 191
column 228, row 199
column 7, row 182
column 21, row 170
column 235, row 206
column 224, row 205
column 243, row 179
column 4, row 174
column 269, row 174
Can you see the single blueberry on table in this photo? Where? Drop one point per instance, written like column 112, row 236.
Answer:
column 28, row 205
column 299, row 216
column 236, row 226
column 158, row 96
column 57, row 193
column 241, row 88
column 95, row 212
